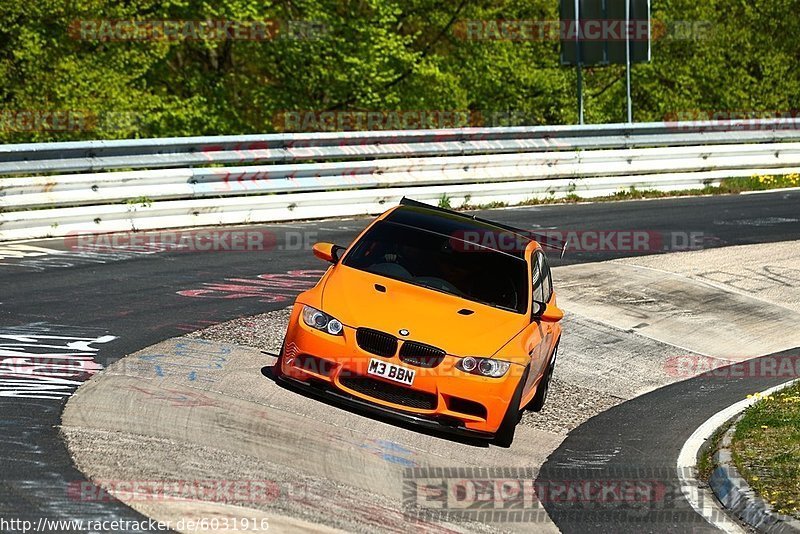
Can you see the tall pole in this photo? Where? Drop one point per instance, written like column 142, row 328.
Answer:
column 580, row 94
column 578, row 59
column 628, row 57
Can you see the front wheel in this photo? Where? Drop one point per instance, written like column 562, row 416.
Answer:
column 537, row 403
column 505, row 434
column 277, row 371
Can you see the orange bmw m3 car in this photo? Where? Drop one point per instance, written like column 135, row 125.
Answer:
column 431, row 316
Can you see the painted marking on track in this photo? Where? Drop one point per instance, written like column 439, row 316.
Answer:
column 191, row 359
column 280, row 287
column 590, row 459
column 39, row 361
column 384, row 449
column 26, row 251
column 768, row 191
column 39, row 259
column 390, row 451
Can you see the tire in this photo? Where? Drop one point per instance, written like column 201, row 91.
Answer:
column 538, row 400
column 277, row 368
column 505, row 434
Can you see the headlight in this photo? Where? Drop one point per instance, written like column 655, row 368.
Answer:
column 469, row 364
column 483, row 366
column 322, row 321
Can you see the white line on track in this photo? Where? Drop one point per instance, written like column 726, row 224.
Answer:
column 765, row 191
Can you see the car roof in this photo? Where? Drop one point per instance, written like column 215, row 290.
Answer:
column 455, row 225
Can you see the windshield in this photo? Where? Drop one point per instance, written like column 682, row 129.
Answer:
column 438, row 262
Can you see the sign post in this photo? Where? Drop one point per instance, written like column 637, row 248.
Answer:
column 599, row 41
column 578, row 60
column 628, row 59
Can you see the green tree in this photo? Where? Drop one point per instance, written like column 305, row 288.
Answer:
column 372, row 55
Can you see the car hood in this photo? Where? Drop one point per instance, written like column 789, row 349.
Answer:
column 430, row 316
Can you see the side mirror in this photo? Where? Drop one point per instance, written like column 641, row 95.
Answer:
column 327, row 251
column 551, row 314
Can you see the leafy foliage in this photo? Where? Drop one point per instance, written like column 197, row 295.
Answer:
column 373, row 55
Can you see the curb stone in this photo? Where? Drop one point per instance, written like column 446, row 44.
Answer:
column 738, row 497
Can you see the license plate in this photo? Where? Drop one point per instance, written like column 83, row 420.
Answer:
column 391, row 371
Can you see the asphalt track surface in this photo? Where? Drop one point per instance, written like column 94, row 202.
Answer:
column 134, row 297
column 638, row 442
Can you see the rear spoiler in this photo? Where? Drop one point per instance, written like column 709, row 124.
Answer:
column 550, row 243
column 543, row 239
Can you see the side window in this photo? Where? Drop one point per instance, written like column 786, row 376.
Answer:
column 538, row 278
column 547, row 279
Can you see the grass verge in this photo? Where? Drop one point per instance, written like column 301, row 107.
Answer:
column 766, row 449
column 728, row 186
column 705, row 461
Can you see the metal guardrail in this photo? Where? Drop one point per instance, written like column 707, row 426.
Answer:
column 178, row 182
column 287, row 148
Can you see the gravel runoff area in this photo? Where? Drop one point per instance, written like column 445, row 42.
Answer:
column 568, row 405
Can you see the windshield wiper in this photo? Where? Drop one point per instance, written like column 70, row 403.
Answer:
column 439, row 289
column 493, row 305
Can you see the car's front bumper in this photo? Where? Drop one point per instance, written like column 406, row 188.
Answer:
column 454, row 400
column 326, row 391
